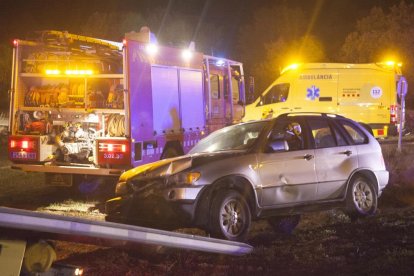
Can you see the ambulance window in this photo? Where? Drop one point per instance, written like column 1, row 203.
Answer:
column 354, row 132
column 278, row 93
column 215, row 86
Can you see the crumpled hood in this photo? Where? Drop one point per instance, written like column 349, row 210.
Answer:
column 174, row 165
column 159, row 168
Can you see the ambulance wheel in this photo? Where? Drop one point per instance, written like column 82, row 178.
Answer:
column 392, row 130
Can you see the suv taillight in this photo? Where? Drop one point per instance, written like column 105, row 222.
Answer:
column 23, row 148
column 113, row 152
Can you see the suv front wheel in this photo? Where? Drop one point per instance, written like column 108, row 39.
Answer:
column 230, row 216
column 361, row 198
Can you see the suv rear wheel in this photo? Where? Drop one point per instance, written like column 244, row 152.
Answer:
column 362, row 198
column 230, row 216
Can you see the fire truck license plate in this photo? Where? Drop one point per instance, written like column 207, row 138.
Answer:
column 57, row 179
column 113, row 156
column 24, row 155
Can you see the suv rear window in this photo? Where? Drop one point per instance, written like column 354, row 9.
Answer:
column 325, row 134
column 354, row 132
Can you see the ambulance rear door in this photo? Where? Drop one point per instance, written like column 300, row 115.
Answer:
column 364, row 95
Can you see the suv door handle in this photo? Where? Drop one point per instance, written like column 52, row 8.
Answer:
column 308, row 156
column 347, row 152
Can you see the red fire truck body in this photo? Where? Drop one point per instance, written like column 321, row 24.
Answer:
column 86, row 107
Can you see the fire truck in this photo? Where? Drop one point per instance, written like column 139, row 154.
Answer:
column 83, row 108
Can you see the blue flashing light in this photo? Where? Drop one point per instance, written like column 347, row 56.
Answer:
column 220, row 62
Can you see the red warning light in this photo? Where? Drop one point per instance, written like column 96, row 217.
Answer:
column 15, row 43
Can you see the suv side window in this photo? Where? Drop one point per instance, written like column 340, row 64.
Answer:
column 278, row 93
column 322, row 133
column 356, row 134
column 291, row 131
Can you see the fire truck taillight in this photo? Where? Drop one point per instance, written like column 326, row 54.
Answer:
column 23, row 149
column 15, row 43
column 22, row 144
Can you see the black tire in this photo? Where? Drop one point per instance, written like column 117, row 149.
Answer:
column 392, row 130
column 361, row 198
column 284, row 224
column 230, row 216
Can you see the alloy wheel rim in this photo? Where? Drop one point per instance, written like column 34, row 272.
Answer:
column 232, row 218
column 363, row 196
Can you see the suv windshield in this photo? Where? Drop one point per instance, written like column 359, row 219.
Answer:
column 237, row 137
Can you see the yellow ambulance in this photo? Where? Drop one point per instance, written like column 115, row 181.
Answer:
column 366, row 93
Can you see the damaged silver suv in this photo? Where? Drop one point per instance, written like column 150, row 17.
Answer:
column 272, row 169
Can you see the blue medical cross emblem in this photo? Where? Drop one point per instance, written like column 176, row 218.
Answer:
column 313, row 93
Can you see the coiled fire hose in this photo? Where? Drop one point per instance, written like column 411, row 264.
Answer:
column 116, row 125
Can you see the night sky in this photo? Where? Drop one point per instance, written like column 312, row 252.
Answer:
column 333, row 20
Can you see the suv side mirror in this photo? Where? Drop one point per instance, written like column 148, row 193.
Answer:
column 278, row 145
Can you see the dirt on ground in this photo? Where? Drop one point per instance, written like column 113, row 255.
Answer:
column 324, row 243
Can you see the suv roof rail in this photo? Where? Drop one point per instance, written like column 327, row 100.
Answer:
column 311, row 114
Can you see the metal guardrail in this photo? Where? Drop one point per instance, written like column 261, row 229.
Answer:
column 406, row 139
column 55, row 224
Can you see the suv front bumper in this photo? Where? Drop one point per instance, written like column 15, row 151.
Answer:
column 169, row 209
